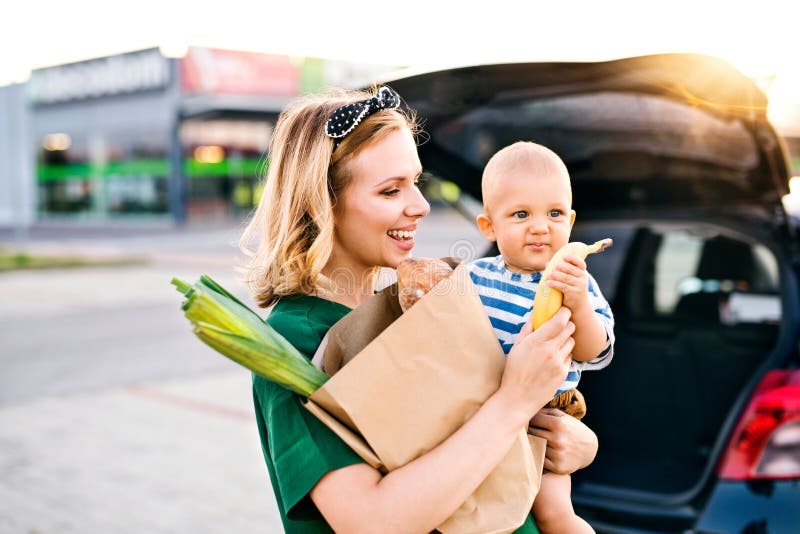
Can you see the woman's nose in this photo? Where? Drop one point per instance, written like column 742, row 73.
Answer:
column 417, row 206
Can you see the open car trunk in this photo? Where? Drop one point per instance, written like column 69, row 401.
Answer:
column 659, row 411
column 672, row 157
column 697, row 309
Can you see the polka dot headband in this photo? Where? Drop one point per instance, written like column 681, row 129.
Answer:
column 346, row 118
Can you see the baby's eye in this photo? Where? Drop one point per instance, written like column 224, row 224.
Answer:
column 555, row 213
column 519, row 214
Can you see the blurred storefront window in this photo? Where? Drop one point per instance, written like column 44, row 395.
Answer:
column 223, row 161
column 103, row 174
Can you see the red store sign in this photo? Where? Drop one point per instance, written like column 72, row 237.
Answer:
column 210, row 70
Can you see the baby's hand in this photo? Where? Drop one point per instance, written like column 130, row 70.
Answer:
column 570, row 277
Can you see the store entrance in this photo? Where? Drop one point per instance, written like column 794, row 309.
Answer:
column 224, row 160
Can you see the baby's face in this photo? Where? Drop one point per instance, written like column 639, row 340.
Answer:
column 531, row 217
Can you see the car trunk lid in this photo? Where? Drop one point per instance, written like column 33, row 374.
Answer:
column 639, row 133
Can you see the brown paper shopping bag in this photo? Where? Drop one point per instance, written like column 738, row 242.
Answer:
column 408, row 389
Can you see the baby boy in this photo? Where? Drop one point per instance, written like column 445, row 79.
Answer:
column 527, row 210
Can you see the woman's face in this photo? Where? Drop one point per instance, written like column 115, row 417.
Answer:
column 377, row 215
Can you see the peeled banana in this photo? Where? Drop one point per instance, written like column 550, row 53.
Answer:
column 548, row 300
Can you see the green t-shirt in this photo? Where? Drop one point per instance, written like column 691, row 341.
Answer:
column 298, row 448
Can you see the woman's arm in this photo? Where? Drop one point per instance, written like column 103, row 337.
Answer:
column 571, row 445
column 424, row 493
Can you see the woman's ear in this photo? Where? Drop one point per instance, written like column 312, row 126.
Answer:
column 485, row 226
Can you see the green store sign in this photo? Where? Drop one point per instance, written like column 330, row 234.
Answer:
column 150, row 167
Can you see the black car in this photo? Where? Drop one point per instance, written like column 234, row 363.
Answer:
column 672, row 156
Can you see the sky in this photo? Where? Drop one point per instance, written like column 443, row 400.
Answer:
column 760, row 38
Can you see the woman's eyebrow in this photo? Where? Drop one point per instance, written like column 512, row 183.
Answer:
column 387, row 180
column 396, row 178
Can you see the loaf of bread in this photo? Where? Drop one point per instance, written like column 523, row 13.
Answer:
column 417, row 276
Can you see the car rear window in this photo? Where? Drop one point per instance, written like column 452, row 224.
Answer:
column 717, row 278
column 691, row 273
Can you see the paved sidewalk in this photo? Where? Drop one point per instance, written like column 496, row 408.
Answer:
column 162, row 457
column 215, row 245
column 113, row 417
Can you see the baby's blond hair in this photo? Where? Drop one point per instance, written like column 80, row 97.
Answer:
column 535, row 158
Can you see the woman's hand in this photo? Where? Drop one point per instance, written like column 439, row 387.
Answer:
column 571, row 278
column 537, row 365
column 571, row 445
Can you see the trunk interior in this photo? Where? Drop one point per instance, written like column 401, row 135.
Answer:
column 696, row 311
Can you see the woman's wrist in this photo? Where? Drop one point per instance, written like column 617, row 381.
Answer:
column 516, row 410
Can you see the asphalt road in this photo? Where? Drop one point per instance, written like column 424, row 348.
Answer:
column 87, row 329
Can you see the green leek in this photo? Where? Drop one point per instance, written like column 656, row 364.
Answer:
column 234, row 330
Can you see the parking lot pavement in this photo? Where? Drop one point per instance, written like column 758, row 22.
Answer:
column 113, row 417
column 174, row 456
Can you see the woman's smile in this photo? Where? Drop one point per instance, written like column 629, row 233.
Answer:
column 403, row 238
column 403, row 243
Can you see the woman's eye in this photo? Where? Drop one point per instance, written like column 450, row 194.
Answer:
column 519, row 214
column 390, row 192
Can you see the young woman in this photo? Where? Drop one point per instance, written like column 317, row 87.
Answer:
column 340, row 201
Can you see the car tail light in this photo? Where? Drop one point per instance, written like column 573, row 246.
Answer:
column 766, row 442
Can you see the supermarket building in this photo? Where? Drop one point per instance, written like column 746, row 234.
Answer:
column 147, row 137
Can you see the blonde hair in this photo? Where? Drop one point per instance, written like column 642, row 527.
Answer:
column 289, row 238
column 538, row 159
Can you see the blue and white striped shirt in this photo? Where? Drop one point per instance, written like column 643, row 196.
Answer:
column 508, row 299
